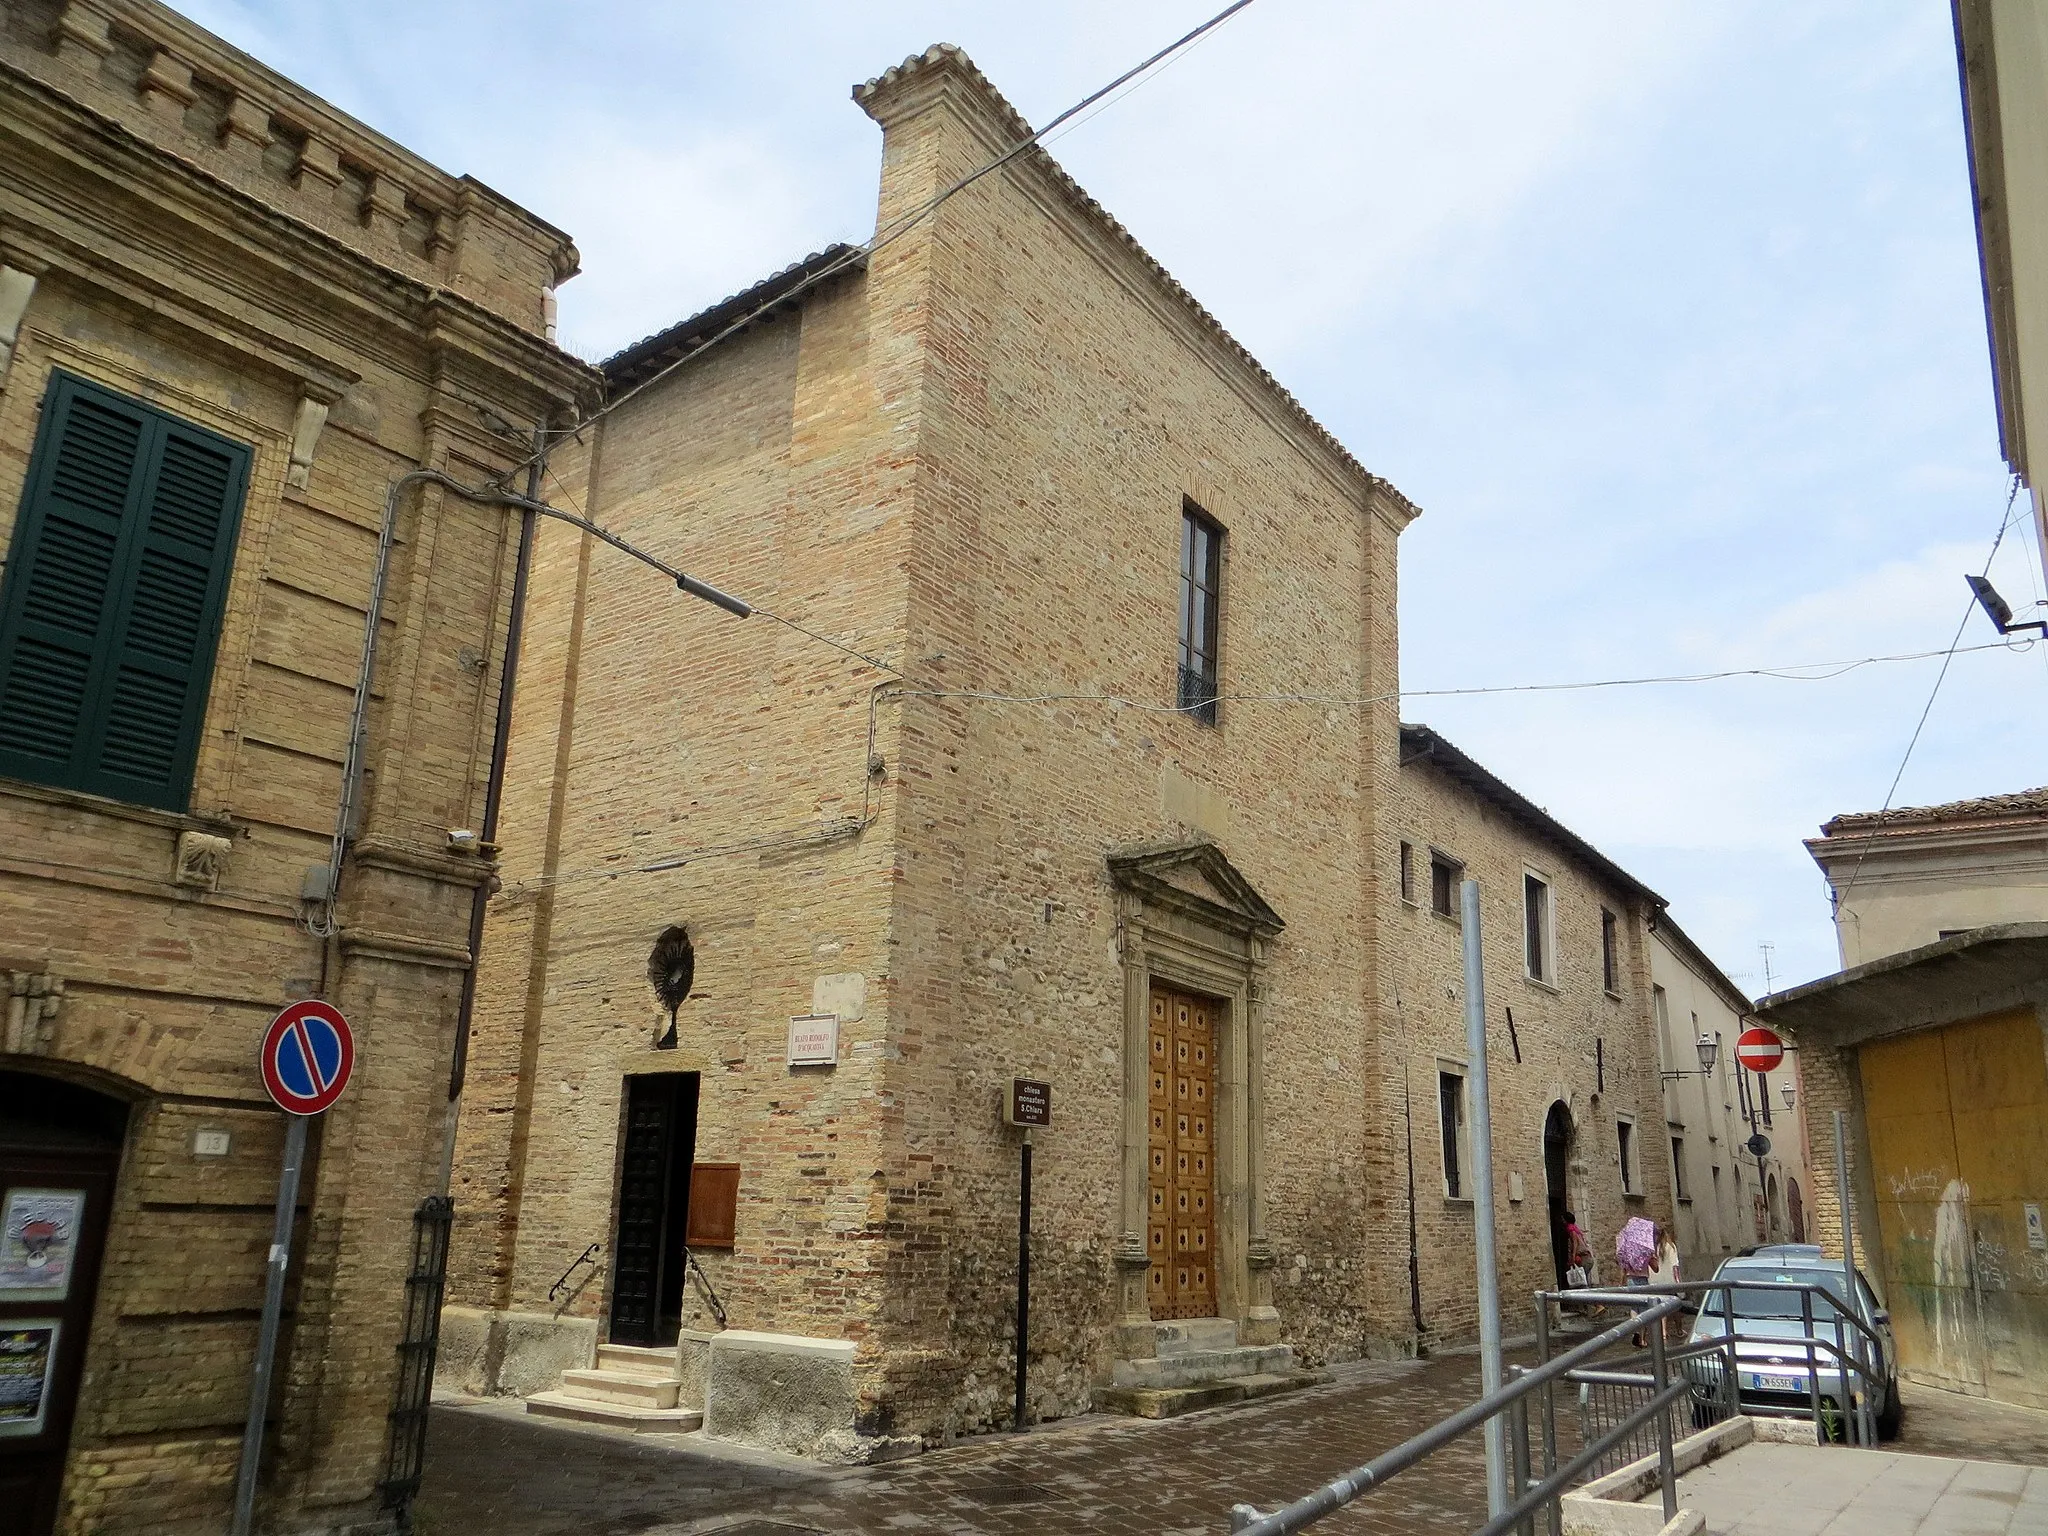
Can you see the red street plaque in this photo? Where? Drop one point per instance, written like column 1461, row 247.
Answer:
column 1758, row 1049
column 308, row 1054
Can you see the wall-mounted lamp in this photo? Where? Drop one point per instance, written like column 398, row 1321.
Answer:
column 1710, row 1051
column 1788, row 1093
column 1998, row 610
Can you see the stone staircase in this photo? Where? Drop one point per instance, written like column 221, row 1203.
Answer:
column 629, row 1388
column 1200, row 1364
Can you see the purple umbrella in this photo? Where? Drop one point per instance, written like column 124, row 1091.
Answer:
column 1635, row 1246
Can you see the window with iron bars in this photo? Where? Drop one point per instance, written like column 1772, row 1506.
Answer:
column 1201, row 583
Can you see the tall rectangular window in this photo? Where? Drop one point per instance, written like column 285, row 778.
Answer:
column 1445, row 875
column 1450, row 1108
column 1408, row 873
column 1201, row 584
column 1610, row 968
column 1536, row 927
column 115, row 584
column 1678, row 1188
column 1625, row 1141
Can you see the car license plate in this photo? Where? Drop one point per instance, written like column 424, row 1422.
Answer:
column 1776, row 1383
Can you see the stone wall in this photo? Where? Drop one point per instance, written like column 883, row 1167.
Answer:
column 343, row 359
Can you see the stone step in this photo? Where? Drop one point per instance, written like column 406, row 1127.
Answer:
column 635, row 1360
column 1168, row 1402
column 1198, row 1367
column 618, row 1387
column 587, row 1410
column 1196, row 1333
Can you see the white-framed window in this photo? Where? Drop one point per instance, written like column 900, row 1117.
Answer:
column 1628, row 1153
column 1452, row 1117
column 1539, row 948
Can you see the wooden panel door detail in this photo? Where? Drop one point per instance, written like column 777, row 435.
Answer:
column 1180, row 1147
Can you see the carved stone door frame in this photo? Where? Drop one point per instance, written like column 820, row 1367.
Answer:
column 1186, row 919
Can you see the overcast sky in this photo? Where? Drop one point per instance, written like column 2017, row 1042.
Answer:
column 1667, row 315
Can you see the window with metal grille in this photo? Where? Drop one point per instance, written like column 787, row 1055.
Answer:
column 111, row 607
column 1450, row 1106
column 1201, row 583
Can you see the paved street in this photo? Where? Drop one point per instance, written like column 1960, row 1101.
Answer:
column 1804, row 1490
column 491, row 1469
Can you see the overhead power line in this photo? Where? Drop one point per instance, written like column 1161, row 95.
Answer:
column 902, row 225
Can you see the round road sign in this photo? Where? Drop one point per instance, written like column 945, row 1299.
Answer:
column 1759, row 1145
column 308, row 1053
column 1758, row 1049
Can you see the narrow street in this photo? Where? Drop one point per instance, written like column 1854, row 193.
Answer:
column 492, row 1469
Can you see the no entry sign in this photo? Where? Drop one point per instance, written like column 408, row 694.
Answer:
column 308, row 1054
column 1759, row 1050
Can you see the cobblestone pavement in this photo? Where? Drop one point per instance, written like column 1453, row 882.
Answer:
column 491, row 1469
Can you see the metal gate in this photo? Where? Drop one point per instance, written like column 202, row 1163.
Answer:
column 423, row 1286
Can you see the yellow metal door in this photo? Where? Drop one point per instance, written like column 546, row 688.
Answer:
column 1958, row 1122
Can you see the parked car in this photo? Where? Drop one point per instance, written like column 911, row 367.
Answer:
column 1770, row 1352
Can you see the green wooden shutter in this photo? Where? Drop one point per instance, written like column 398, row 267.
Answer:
column 112, row 602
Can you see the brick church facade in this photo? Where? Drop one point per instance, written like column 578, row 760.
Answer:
column 1052, row 808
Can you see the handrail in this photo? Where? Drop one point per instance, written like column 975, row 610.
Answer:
column 581, row 1259
column 691, row 1266
column 1334, row 1495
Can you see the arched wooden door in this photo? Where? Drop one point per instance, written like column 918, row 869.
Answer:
column 60, row 1148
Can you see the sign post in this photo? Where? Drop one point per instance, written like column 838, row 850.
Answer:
column 1482, row 1202
column 1027, row 1104
column 307, row 1057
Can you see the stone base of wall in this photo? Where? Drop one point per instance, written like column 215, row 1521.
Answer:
column 783, row 1392
column 488, row 1353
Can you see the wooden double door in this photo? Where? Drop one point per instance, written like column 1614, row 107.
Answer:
column 1181, row 1155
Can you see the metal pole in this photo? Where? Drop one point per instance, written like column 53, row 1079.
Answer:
column 1660, row 1376
column 1482, row 1202
column 273, row 1311
column 1023, row 1271
column 1548, row 1410
column 1812, row 1375
column 1847, row 1196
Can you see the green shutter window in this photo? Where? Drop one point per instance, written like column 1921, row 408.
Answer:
column 112, row 602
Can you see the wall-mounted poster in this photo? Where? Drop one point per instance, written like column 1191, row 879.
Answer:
column 39, row 1243
column 28, row 1351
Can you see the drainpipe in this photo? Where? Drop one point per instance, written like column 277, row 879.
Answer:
column 494, row 793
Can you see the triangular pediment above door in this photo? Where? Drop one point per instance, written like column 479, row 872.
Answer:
column 1196, row 880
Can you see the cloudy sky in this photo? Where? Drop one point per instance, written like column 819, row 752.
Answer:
column 1667, row 315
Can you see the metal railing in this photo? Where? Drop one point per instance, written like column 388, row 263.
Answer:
column 1854, row 1357
column 1647, row 1311
column 575, row 1264
column 1627, row 1403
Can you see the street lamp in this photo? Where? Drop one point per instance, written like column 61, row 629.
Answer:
column 1998, row 610
column 1710, row 1051
column 1789, row 1093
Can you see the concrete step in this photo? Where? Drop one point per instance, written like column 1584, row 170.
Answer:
column 634, row 1360
column 587, row 1410
column 1195, row 1334
column 1197, row 1367
column 618, row 1387
column 1168, row 1402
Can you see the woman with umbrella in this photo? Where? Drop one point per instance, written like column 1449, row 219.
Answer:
column 1635, row 1250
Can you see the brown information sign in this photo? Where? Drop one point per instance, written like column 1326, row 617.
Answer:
column 1027, row 1103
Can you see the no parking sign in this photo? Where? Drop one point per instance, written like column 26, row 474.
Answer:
column 308, row 1054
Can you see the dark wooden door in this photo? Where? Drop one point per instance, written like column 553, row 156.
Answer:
column 653, row 1207
column 1181, row 1182
column 56, row 1190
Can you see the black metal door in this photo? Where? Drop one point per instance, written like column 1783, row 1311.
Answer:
column 60, row 1148
column 654, row 1184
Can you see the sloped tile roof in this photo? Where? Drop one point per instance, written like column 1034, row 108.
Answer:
column 2022, row 803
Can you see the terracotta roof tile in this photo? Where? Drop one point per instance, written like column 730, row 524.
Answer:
column 2022, row 803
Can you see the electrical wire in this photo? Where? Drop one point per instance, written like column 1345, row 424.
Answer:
column 1840, row 895
column 905, row 222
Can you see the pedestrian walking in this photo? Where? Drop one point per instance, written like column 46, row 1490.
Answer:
column 1579, row 1254
column 1635, row 1250
column 1665, row 1270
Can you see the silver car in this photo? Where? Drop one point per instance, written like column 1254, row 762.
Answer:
column 1770, row 1352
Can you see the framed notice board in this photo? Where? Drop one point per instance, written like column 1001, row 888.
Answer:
column 714, row 1204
